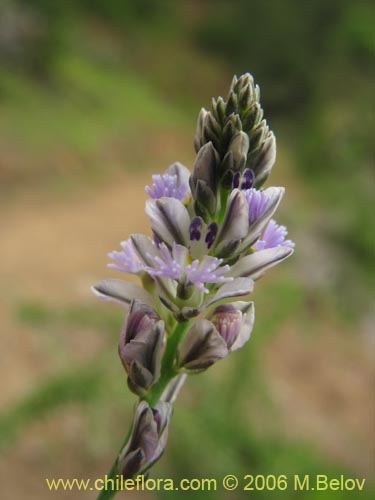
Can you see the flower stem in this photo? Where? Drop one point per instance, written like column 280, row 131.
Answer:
column 168, row 372
column 109, row 493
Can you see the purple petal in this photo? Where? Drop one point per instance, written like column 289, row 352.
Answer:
column 206, row 271
column 273, row 236
column 167, row 264
column 127, row 260
column 174, row 183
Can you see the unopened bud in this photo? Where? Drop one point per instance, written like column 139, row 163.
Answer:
column 141, row 346
column 239, row 147
column 201, row 347
column 234, row 322
column 147, row 441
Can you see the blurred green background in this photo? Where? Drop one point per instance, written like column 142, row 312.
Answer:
column 95, row 96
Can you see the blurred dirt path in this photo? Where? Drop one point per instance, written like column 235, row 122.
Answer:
column 52, row 250
column 57, row 248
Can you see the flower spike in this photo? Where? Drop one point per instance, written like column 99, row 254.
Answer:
column 212, row 236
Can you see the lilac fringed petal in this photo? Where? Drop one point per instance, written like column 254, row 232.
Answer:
column 126, row 260
column 167, row 264
column 166, row 186
column 257, row 203
column 261, row 202
column 273, row 236
column 262, row 207
column 206, row 271
column 174, row 265
column 174, row 183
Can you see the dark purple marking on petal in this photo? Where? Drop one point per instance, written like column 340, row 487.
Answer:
column 236, row 180
column 157, row 240
column 211, row 234
column 195, row 229
column 247, row 180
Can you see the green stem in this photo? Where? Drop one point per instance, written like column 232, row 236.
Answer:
column 168, row 372
column 108, row 494
column 224, row 194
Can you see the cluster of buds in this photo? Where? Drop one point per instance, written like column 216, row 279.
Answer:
column 213, row 236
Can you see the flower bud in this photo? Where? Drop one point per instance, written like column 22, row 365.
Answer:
column 147, row 441
column 141, row 347
column 234, row 322
column 199, row 139
column 239, row 146
column 201, row 347
column 205, row 167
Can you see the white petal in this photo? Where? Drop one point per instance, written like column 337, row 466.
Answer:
column 201, row 347
column 236, row 288
column 182, row 172
column 121, row 291
column 236, row 222
column 169, row 219
column 144, row 247
column 246, row 327
column 254, row 265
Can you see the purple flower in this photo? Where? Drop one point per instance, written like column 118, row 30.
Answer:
column 174, row 183
column 258, row 203
column 127, row 260
column 169, row 265
column 166, row 186
column 261, row 205
column 273, row 236
column 175, row 265
column 206, row 271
